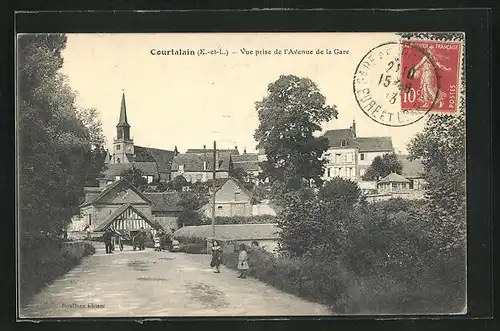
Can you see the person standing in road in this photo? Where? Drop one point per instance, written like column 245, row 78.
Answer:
column 107, row 240
column 216, row 256
column 243, row 261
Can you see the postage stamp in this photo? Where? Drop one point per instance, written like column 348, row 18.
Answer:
column 397, row 83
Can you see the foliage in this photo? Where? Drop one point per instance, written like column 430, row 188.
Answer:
column 193, row 248
column 381, row 259
column 441, row 146
column 135, row 176
column 260, row 219
column 383, row 166
column 190, row 214
column 289, row 115
column 340, row 191
column 43, row 260
column 179, row 182
column 55, row 145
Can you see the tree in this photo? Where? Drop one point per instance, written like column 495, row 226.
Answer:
column 383, row 166
column 53, row 140
column 190, row 203
column 441, row 146
column 289, row 116
column 340, row 191
column 135, row 176
column 179, row 182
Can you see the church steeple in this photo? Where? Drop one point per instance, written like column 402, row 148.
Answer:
column 123, row 128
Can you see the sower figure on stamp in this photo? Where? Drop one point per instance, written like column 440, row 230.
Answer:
column 243, row 262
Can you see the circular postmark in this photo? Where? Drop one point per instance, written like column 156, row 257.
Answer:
column 396, row 83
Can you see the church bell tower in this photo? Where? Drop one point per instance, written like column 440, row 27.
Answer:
column 123, row 144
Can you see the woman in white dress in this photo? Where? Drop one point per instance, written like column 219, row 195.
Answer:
column 243, row 262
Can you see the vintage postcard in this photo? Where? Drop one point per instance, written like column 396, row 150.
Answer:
column 241, row 174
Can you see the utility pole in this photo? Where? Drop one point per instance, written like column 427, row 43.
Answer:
column 213, row 191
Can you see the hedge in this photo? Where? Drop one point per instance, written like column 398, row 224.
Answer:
column 261, row 219
column 42, row 261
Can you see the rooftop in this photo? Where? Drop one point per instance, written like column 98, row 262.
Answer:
column 375, row 144
column 393, row 178
column 164, row 201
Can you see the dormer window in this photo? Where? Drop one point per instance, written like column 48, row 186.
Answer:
column 343, row 143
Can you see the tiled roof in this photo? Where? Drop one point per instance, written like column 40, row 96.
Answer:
column 411, row 168
column 375, row 144
column 116, row 169
column 211, row 151
column 231, row 231
column 335, row 138
column 162, row 157
column 194, row 162
column 164, row 201
column 113, row 185
column 393, row 178
column 249, row 157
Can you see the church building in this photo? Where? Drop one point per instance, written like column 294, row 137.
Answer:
column 154, row 163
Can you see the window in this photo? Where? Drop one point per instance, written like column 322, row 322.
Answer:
column 117, row 177
column 343, row 143
column 118, row 147
column 337, row 158
column 149, row 179
column 181, row 167
column 362, row 172
column 90, row 219
column 236, row 196
column 219, row 208
column 362, row 156
column 394, row 185
column 328, row 172
column 411, row 184
column 118, row 160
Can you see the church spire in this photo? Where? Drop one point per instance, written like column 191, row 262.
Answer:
column 123, row 128
column 123, row 113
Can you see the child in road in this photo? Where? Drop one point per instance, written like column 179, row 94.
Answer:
column 157, row 243
column 243, row 262
column 216, row 256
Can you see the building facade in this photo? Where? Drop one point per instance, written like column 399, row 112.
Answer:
column 348, row 156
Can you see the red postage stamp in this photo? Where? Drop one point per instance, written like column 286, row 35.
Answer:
column 431, row 75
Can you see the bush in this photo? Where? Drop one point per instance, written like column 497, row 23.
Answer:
column 41, row 261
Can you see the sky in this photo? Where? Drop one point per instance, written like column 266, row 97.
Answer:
column 190, row 101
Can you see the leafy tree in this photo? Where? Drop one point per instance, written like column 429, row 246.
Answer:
column 238, row 173
column 190, row 214
column 53, row 141
column 136, row 177
column 340, row 191
column 383, row 166
column 441, row 146
column 179, row 182
column 289, row 116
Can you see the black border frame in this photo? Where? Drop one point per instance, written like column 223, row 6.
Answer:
column 476, row 23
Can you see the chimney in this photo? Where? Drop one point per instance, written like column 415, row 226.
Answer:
column 354, row 127
column 236, row 147
column 244, row 150
column 176, row 151
column 204, row 146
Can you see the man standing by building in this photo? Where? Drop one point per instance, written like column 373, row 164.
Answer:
column 107, row 240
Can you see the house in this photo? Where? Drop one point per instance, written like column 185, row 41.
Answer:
column 198, row 167
column 249, row 163
column 231, row 199
column 118, row 205
column 155, row 163
column 413, row 170
column 348, row 156
column 165, row 209
column 231, row 235
column 395, row 186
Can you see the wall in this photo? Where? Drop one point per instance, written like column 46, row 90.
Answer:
column 338, row 165
column 199, row 176
column 104, row 211
column 75, row 249
column 263, row 209
column 270, row 245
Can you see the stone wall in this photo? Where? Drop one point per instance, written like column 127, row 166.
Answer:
column 76, row 249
